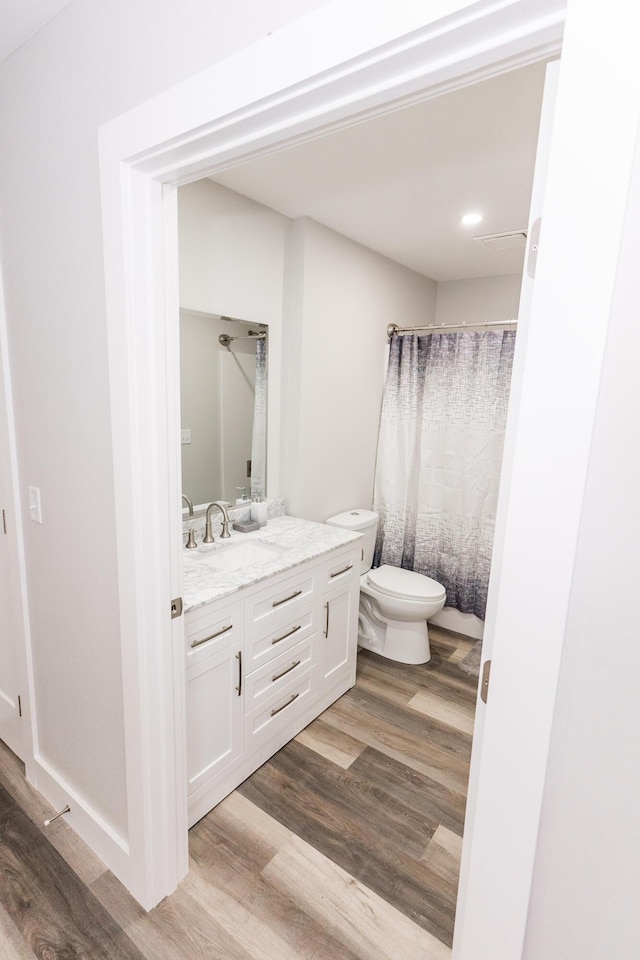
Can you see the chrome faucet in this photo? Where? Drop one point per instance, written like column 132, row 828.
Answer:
column 189, row 504
column 226, row 522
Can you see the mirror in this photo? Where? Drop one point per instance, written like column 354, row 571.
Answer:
column 223, row 398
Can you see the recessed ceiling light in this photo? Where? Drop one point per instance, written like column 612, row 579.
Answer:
column 470, row 218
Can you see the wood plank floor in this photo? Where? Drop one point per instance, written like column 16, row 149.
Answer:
column 344, row 846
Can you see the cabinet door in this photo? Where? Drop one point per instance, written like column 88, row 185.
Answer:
column 339, row 640
column 214, row 715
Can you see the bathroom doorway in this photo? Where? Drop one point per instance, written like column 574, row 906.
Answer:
column 155, row 159
column 207, row 832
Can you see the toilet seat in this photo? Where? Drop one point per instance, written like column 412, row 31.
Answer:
column 404, row 584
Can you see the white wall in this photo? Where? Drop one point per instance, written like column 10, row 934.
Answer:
column 231, row 254
column 91, row 63
column 479, row 300
column 231, row 262
column 343, row 295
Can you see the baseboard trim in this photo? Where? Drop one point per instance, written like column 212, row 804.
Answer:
column 112, row 848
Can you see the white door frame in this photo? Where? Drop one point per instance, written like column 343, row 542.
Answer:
column 348, row 60
column 284, row 89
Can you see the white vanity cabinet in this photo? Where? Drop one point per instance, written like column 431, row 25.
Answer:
column 261, row 668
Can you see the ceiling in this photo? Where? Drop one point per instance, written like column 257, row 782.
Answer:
column 21, row 19
column 400, row 183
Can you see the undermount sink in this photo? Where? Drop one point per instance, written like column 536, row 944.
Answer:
column 239, row 555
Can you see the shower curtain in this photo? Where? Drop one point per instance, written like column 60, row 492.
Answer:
column 259, row 436
column 439, row 456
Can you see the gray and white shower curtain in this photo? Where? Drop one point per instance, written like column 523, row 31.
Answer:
column 439, row 457
column 259, row 436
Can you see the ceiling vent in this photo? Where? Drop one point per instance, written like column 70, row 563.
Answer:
column 504, row 241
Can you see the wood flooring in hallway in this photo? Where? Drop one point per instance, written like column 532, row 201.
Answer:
column 344, row 846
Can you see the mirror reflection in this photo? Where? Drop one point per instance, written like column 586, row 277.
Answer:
column 223, row 396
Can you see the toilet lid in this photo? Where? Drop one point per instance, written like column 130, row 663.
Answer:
column 396, row 582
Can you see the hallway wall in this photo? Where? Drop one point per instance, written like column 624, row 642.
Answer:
column 92, row 62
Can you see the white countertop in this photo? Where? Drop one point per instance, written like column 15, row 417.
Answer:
column 299, row 541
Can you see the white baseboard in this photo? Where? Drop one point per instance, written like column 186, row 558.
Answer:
column 91, row 827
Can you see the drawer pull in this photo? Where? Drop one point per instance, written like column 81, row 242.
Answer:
column 278, row 603
column 285, row 635
column 339, row 573
column 277, row 676
column 294, row 696
column 239, row 659
column 196, row 643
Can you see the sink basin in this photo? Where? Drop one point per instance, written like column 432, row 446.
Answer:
column 240, row 555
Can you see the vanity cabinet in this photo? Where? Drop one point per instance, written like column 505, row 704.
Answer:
column 263, row 667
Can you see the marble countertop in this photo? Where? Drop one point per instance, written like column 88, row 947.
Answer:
column 297, row 540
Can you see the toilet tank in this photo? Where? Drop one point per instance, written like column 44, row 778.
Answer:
column 360, row 521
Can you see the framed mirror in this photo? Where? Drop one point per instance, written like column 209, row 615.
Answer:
column 223, row 395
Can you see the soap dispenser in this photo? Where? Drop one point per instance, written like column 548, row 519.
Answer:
column 259, row 511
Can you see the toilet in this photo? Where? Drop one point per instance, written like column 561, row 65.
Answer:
column 395, row 604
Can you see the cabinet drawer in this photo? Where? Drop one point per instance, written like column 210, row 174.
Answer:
column 275, row 603
column 212, row 628
column 264, row 646
column 341, row 567
column 272, row 677
column 280, row 711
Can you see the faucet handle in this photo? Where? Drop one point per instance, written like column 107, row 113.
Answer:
column 191, row 540
column 225, row 529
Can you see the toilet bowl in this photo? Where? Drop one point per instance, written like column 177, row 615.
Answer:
column 395, row 604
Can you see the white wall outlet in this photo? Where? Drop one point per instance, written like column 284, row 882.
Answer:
column 185, row 436
column 35, row 506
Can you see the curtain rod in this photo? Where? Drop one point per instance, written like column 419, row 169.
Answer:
column 225, row 339
column 393, row 328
